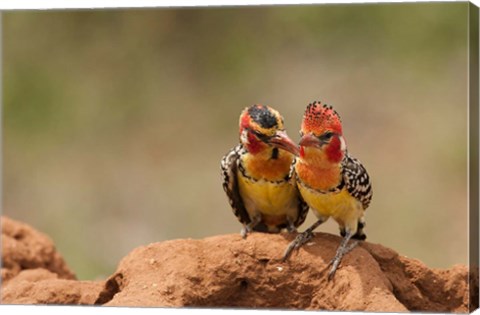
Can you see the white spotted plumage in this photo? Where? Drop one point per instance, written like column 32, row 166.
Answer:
column 258, row 174
column 357, row 180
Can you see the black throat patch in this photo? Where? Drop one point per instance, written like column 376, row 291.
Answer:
column 275, row 153
column 262, row 116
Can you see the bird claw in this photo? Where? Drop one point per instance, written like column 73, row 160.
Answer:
column 244, row 231
column 301, row 239
column 291, row 228
column 342, row 251
column 334, row 263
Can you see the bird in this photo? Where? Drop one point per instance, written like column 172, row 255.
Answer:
column 258, row 174
column 331, row 181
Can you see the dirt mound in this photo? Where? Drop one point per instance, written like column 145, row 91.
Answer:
column 33, row 272
column 228, row 271
column 25, row 248
column 40, row 286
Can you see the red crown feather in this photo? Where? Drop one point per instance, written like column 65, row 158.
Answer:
column 319, row 118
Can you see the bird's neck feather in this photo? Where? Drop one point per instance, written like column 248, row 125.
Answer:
column 320, row 168
column 262, row 165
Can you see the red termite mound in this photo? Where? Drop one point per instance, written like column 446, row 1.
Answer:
column 228, row 271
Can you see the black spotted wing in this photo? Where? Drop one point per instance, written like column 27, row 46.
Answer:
column 357, row 180
column 229, row 166
column 302, row 205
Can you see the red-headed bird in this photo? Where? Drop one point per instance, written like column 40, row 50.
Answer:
column 258, row 174
column 331, row 181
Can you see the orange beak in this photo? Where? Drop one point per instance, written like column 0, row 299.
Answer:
column 282, row 141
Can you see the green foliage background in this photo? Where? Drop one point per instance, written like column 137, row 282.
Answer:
column 115, row 121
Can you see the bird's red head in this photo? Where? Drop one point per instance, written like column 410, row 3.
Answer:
column 320, row 118
column 322, row 129
column 262, row 127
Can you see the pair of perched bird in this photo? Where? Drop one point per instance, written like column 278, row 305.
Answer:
column 271, row 182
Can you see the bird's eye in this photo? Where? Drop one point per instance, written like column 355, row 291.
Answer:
column 327, row 135
column 261, row 136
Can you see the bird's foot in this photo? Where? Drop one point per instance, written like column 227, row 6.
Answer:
column 245, row 230
column 301, row 239
column 341, row 251
column 291, row 227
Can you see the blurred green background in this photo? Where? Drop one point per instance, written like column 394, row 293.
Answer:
column 115, row 121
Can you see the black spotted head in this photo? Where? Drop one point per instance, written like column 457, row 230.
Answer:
column 262, row 119
column 262, row 126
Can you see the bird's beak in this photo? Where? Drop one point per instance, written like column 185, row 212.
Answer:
column 282, row 141
column 309, row 140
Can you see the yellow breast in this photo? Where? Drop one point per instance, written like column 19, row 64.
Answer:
column 344, row 208
column 268, row 198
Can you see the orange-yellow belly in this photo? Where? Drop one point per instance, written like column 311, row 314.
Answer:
column 345, row 209
column 273, row 199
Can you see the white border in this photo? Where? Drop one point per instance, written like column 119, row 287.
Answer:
column 86, row 4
